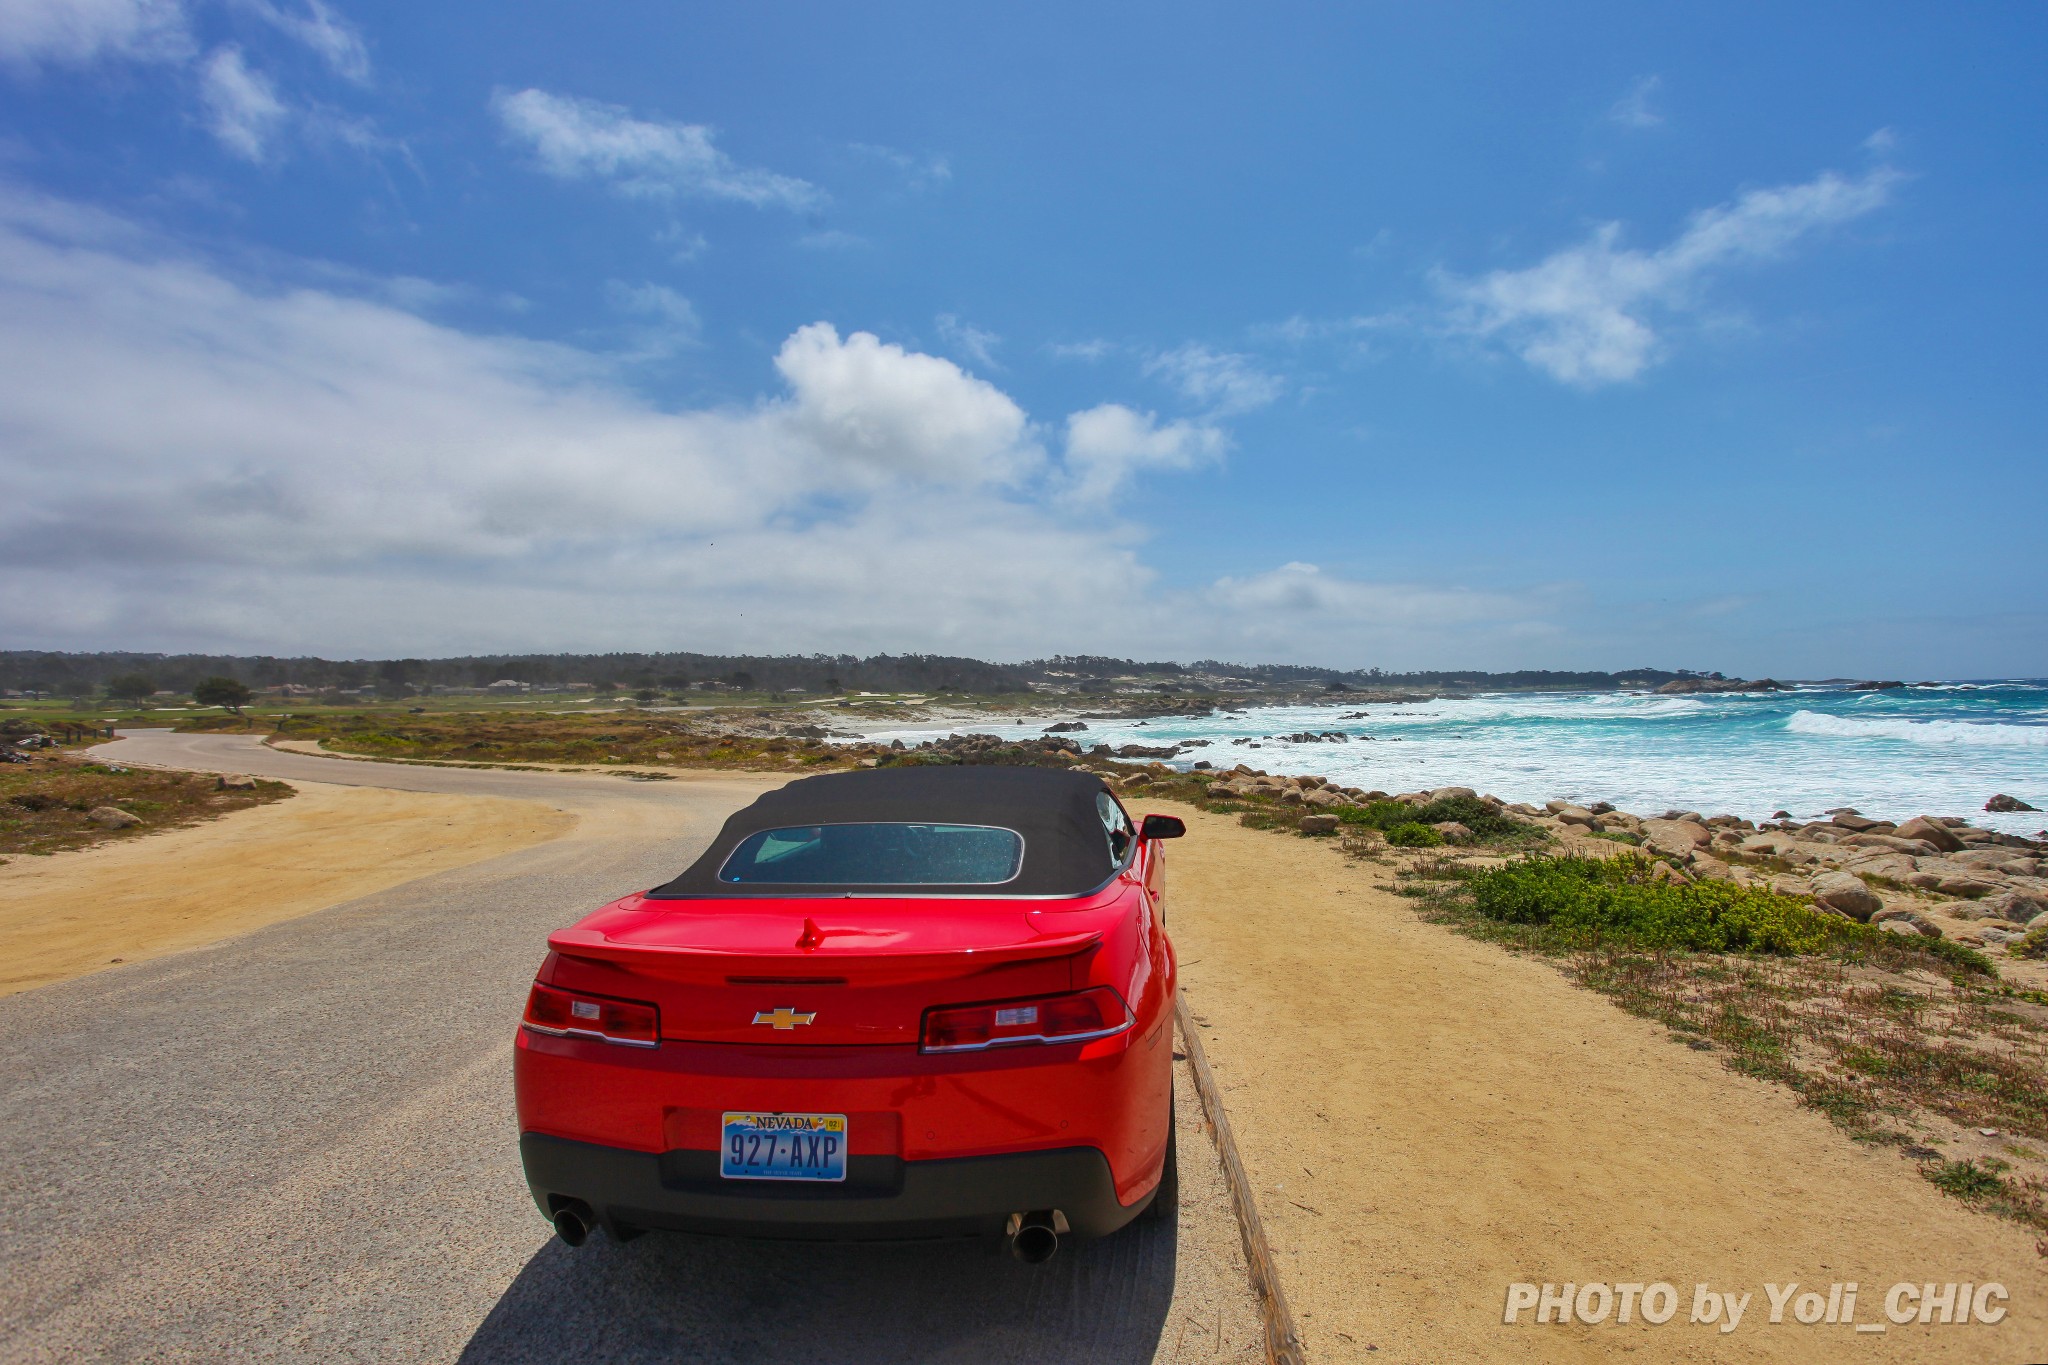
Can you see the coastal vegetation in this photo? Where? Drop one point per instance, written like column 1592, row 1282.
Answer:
column 1901, row 1040
column 138, row 677
column 57, row 802
column 1587, row 900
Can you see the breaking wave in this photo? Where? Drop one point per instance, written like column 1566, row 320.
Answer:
column 1988, row 734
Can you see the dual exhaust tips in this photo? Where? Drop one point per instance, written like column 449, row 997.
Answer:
column 1034, row 1237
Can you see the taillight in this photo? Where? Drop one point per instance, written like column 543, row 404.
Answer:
column 1094, row 1013
column 572, row 1014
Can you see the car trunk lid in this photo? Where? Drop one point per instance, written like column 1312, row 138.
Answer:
column 847, row 971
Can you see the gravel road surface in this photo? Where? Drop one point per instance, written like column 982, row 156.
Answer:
column 299, row 1145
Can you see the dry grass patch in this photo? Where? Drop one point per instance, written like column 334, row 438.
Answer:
column 508, row 739
column 43, row 804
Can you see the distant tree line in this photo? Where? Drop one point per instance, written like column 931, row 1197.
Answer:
column 136, row 676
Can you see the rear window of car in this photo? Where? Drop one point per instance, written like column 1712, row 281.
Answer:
column 879, row 854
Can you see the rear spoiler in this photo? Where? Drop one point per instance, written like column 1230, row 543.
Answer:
column 593, row 946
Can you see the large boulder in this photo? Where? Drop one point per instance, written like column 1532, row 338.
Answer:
column 1920, row 827
column 1912, row 848
column 235, row 782
column 112, row 817
column 1953, row 878
column 2006, row 804
column 1446, row 793
column 2013, row 906
column 1577, row 815
column 1895, row 866
column 1318, row 824
column 1910, row 925
column 1692, row 832
column 1860, row 824
column 1845, row 892
column 1677, row 839
column 1453, row 832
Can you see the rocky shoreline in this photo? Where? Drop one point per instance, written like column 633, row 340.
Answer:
column 1935, row 876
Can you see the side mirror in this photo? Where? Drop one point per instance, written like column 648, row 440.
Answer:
column 1162, row 827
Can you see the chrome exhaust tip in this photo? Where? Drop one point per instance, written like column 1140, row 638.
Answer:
column 1033, row 1237
column 571, row 1227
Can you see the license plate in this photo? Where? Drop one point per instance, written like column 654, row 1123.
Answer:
column 783, row 1147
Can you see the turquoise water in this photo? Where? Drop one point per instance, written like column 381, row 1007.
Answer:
column 1938, row 750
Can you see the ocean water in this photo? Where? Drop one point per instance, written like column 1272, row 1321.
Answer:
column 1931, row 750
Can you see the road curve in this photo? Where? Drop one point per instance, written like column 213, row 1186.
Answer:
column 298, row 1145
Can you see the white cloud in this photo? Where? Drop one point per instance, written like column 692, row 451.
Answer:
column 1106, row 445
column 80, row 32
column 684, row 244
column 921, row 172
column 1304, row 590
column 1586, row 314
column 77, row 32
column 332, row 38
column 239, row 104
column 1091, row 350
column 574, row 139
column 880, row 407
column 672, row 322
column 193, row 460
column 1301, row 330
column 1633, row 110
column 313, row 469
column 242, row 107
column 968, row 340
column 1222, row 382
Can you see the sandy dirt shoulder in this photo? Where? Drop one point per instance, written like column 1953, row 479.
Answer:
column 74, row 913
column 1427, row 1118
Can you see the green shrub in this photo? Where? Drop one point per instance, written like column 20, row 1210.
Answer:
column 1965, row 1180
column 1483, row 820
column 1619, row 898
column 1413, row 834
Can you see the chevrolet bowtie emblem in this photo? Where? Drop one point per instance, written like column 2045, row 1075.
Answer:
column 783, row 1019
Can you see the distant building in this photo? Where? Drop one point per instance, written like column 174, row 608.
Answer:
column 507, row 685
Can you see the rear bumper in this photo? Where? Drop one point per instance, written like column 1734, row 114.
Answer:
column 884, row 1198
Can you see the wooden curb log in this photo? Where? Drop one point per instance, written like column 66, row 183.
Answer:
column 1283, row 1343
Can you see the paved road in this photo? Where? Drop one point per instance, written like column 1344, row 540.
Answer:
column 299, row 1145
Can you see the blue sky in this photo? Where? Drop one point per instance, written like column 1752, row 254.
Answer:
column 1410, row 336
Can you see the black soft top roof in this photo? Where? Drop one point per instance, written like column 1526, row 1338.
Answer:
column 1066, row 852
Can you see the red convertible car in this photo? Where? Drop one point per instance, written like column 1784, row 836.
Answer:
column 891, row 1004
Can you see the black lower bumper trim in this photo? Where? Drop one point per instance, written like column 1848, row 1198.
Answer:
column 883, row 1199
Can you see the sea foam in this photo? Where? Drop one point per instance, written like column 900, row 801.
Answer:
column 1989, row 734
